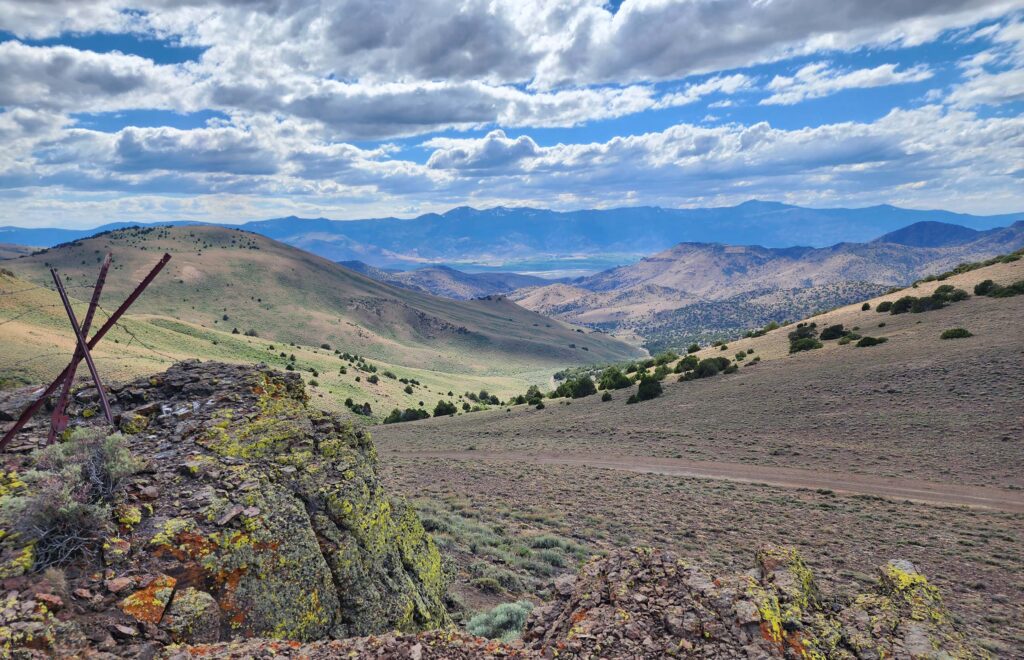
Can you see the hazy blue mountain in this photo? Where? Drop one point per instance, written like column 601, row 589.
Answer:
column 50, row 236
column 503, row 238
column 505, row 235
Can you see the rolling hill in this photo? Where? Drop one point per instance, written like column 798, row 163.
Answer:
column 449, row 282
column 12, row 250
column 697, row 290
column 222, row 279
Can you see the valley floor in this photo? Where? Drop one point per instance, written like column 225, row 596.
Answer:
column 827, row 450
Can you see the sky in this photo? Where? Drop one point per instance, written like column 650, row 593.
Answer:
column 235, row 110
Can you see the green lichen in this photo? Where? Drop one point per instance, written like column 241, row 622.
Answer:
column 132, row 424
column 128, row 515
column 169, row 532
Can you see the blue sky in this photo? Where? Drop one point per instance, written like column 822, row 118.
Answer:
column 231, row 110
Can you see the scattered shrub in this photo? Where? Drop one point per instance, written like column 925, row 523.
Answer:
column 870, row 341
column 688, row 363
column 407, row 415
column 372, row 378
column 504, row 622
column 884, row 306
column 612, row 378
column 64, row 509
column 865, row 307
column 993, row 290
column 833, row 332
column 650, row 388
column 607, row 396
column 444, row 408
column 804, row 344
column 707, row 368
column 693, row 348
column 956, row 333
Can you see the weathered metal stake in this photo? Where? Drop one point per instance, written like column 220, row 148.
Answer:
column 59, row 419
column 83, row 346
column 104, row 329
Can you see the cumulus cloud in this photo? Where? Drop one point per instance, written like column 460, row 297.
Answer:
column 820, row 79
column 311, row 88
column 59, row 78
column 493, row 152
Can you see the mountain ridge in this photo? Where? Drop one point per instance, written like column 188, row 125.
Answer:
column 747, row 286
column 501, row 236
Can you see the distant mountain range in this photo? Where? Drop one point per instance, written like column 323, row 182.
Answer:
column 708, row 290
column 540, row 240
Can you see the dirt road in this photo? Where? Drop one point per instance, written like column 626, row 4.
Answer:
column 859, row 484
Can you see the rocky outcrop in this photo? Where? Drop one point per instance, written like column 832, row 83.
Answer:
column 256, row 516
column 648, row 604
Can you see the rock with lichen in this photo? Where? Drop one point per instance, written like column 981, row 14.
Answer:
column 256, row 516
column 643, row 603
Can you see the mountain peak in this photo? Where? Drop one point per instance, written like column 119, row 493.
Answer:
column 929, row 233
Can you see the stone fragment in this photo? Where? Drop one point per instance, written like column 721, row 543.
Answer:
column 193, row 617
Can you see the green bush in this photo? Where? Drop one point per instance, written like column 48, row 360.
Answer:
column 993, row 290
column 444, row 408
column 870, row 341
column 607, row 396
column 612, row 378
column 64, row 510
column 650, row 388
column 833, row 332
column 407, row 415
column 956, row 333
column 865, row 307
column 665, row 358
column 693, row 348
column 805, row 344
column 688, row 363
column 504, row 622
column 884, row 306
column 984, row 288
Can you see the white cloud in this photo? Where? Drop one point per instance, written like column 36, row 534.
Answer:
column 995, row 75
column 819, row 79
column 60, row 78
column 492, row 152
column 718, row 85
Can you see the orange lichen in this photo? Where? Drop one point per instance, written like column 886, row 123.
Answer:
column 148, row 605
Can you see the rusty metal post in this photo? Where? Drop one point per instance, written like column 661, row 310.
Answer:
column 83, row 346
column 110, row 323
column 59, row 419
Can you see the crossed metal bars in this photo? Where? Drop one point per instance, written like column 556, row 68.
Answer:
column 82, row 351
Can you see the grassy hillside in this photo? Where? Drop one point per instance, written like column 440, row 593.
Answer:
column 12, row 251
column 221, row 278
column 36, row 342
